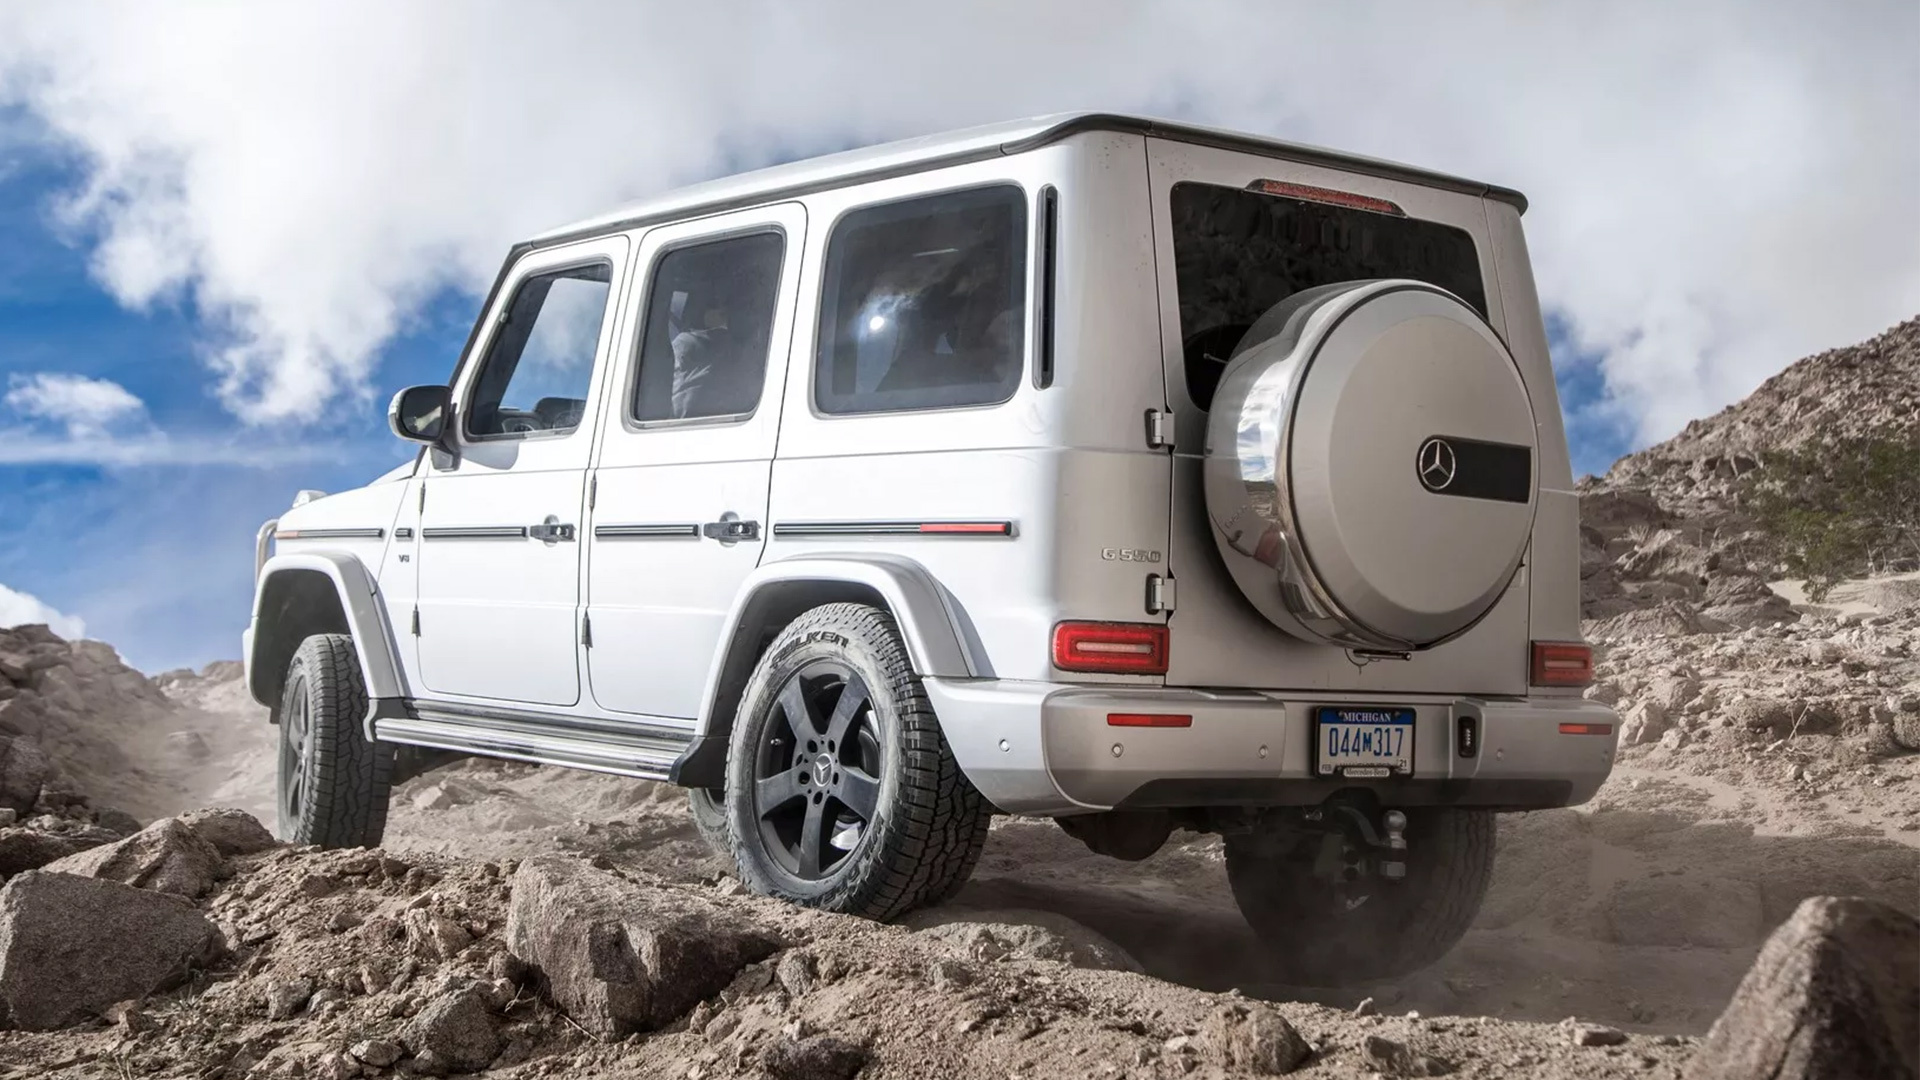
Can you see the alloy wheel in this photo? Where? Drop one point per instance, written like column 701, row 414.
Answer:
column 816, row 787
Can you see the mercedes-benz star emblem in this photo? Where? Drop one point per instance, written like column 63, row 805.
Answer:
column 1436, row 464
column 822, row 770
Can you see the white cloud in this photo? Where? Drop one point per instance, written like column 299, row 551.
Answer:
column 1719, row 187
column 18, row 609
column 25, row 446
column 84, row 407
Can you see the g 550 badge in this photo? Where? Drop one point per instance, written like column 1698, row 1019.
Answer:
column 1129, row 555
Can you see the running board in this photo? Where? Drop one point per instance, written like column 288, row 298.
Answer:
column 645, row 751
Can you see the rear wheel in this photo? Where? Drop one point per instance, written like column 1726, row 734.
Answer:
column 333, row 781
column 1324, row 930
column 842, row 793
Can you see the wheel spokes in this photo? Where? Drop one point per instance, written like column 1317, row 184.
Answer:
column 773, row 793
column 797, row 712
column 810, row 830
column 853, row 695
column 859, row 793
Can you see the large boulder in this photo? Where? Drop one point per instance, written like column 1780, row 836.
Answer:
column 71, row 946
column 231, row 832
column 1834, row 995
column 24, row 767
column 23, row 849
column 619, row 956
column 166, row 856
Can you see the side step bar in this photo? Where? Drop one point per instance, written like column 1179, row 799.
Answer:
column 642, row 750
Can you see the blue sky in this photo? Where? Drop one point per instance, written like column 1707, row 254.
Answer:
column 157, row 558
column 248, row 224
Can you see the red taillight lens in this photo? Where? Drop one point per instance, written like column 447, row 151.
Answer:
column 1329, row 196
column 1586, row 729
column 1561, row 663
column 1135, row 719
column 1118, row 648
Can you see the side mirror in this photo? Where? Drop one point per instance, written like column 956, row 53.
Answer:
column 419, row 413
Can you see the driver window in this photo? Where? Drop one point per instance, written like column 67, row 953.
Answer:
column 538, row 367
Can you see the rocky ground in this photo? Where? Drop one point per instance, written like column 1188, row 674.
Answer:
column 538, row 922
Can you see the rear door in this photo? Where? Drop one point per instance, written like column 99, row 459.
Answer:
column 679, row 512
column 1235, row 234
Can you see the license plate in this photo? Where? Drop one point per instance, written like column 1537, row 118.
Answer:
column 1362, row 742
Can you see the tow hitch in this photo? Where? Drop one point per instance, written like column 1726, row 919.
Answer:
column 1353, row 841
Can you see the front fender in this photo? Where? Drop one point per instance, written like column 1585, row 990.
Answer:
column 273, row 632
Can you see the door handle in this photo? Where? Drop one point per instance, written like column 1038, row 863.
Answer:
column 731, row 530
column 550, row 531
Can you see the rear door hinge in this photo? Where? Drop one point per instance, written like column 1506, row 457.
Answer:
column 586, row 629
column 1160, row 594
column 1159, row 429
column 416, row 622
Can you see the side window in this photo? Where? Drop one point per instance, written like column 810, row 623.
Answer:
column 924, row 304
column 709, row 328
column 535, row 376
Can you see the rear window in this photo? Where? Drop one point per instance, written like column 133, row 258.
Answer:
column 1237, row 253
column 923, row 306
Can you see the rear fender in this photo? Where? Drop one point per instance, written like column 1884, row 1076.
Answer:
column 940, row 639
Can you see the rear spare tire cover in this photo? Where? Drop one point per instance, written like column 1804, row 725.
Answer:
column 1371, row 467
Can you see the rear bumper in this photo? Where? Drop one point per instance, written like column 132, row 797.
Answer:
column 1045, row 748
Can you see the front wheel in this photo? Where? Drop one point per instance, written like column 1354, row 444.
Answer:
column 841, row 792
column 1326, row 930
column 333, row 781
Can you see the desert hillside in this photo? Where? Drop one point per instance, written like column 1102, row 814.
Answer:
column 1681, row 924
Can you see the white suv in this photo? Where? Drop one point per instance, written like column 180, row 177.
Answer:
column 1131, row 474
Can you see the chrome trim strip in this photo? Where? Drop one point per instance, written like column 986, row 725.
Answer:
column 329, row 534
column 988, row 530
column 476, row 532
column 403, row 533
column 644, row 751
column 646, row 532
column 642, row 727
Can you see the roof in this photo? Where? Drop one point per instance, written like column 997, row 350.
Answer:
column 973, row 144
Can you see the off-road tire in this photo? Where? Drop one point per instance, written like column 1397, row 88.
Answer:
column 709, row 809
column 930, row 824
column 344, row 779
column 1401, row 927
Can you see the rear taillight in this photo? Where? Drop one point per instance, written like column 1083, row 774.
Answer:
column 1113, row 648
column 1561, row 663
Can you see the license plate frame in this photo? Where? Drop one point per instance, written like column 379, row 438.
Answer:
column 1398, row 722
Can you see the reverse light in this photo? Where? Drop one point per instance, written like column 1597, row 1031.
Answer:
column 1309, row 193
column 1112, row 648
column 1130, row 719
column 1561, row 663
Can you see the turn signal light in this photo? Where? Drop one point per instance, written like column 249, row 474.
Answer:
column 1561, row 663
column 1113, row 648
